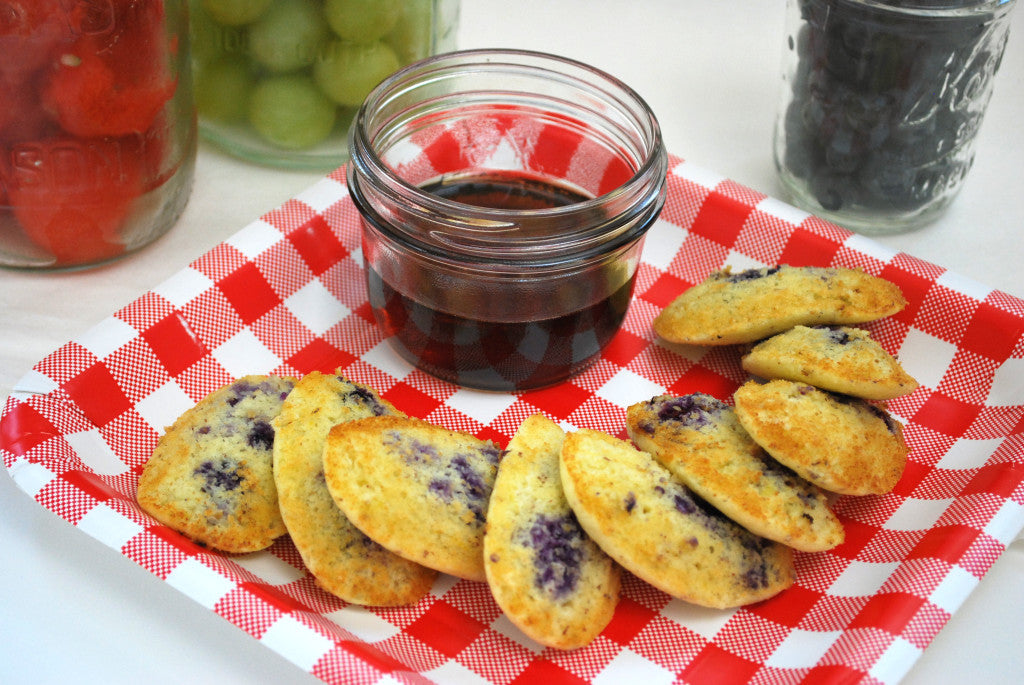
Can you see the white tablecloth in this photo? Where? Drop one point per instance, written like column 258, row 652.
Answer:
column 711, row 72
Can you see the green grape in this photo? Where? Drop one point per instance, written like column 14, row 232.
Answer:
column 290, row 112
column 288, row 36
column 222, row 89
column 236, row 12
column 347, row 72
column 411, row 36
column 362, row 21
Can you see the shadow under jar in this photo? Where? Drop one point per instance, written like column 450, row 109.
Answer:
column 504, row 197
column 881, row 104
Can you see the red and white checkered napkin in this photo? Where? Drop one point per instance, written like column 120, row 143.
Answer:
column 286, row 295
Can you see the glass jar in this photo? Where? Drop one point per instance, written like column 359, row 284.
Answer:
column 278, row 81
column 97, row 128
column 504, row 198
column 881, row 104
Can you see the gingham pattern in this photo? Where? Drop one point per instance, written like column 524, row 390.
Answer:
column 286, row 295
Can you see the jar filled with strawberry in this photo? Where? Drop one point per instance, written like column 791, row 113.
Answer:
column 278, row 81
column 97, row 129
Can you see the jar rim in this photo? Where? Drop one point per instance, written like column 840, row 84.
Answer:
column 485, row 227
column 937, row 9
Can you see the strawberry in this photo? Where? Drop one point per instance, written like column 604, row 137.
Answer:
column 71, row 197
column 114, row 79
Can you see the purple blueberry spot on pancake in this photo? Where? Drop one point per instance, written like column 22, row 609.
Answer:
column 475, row 487
column 218, row 476
column 441, row 487
column 261, row 436
column 466, row 476
column 241, row 390
column 412, row 451
column 756, row 575
column 492, row 453
column 630, row 502
column 558, row 552
column 693, row 411
column 837, row 336
column 366, row 398
column 687, row 503
column 890, row 423
column 683, row 504
column 751, row 274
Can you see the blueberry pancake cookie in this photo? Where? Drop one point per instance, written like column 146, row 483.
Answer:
column 837, row 358
column 699, row 440
column 729, row 308
column 344, row 561
column 839, row 443
column 211, row 475
column 418, row 489
column 655, row 527
column 546, row 574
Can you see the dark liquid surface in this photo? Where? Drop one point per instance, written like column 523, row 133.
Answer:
column 505, row 191
column 533, row 351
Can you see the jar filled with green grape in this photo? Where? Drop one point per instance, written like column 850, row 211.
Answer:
column 278, row 81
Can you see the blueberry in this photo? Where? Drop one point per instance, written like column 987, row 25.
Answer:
column 557, row 543
column 751, row 274
column 694, row 411
column 442, row 487
column 366, row 398
column 261, row 436
column 219, row 476
column 683, row 504
column 837, row 336
column 473, row 482
column 241, row 389
column 756, row 575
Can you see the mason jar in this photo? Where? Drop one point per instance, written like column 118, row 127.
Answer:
column 97, row 128
column 881, row 105
column 278, row 81
column 504, row 197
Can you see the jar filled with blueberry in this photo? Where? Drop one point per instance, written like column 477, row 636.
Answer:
column 881, row 104
column 278, row 81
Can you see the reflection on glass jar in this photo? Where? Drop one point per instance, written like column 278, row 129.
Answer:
column 278, row 81
column 881, row 104
column 97, row 128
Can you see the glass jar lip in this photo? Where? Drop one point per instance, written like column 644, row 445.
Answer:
column 489, row 57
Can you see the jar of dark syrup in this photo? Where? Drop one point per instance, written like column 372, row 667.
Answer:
column 504, row 197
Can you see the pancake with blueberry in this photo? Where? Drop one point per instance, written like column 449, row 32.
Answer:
column 746, row 306
column 836, row 358
column 658, row 529
column 546, row 574
column 699, row 439
column 344, row 561
column 211, row 476
column 418, row 489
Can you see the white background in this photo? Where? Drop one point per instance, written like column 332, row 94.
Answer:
column 72, row 610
